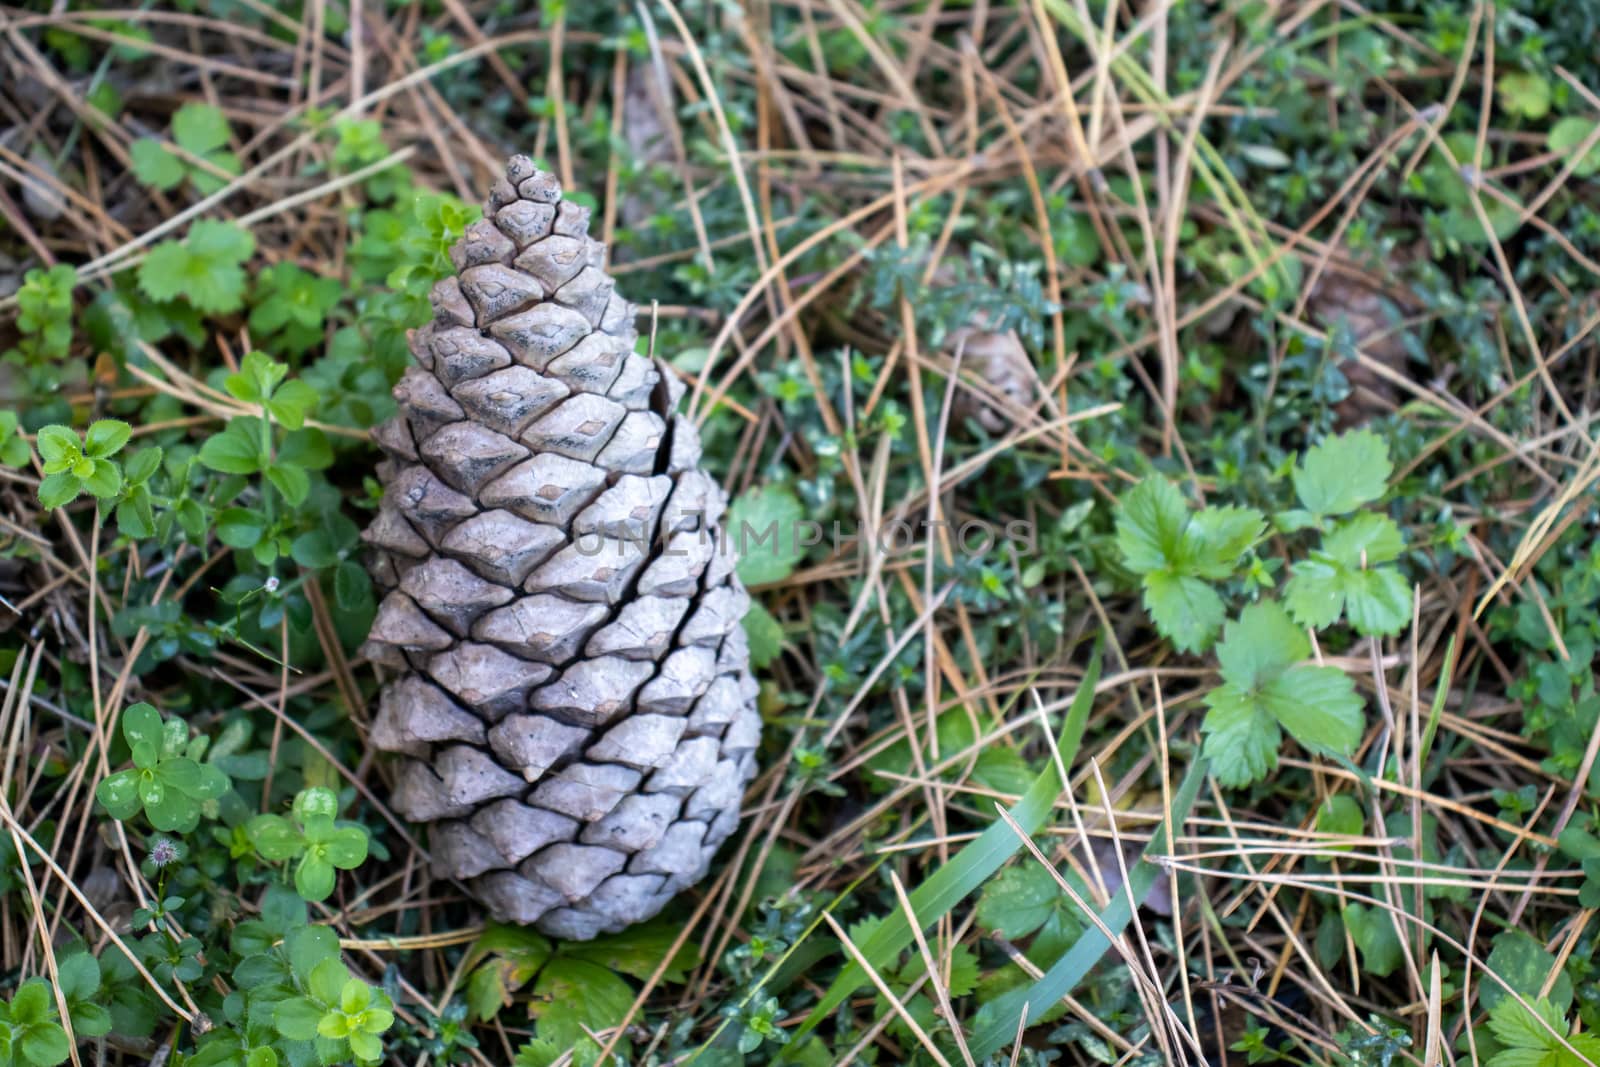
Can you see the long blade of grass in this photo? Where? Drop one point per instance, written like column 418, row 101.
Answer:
column 968, row 869
column 1029, row 1002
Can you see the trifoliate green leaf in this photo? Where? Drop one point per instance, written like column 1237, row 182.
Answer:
column 1265, row 686
column 1174, row 549
column 1186, row 611
column 1347, row 577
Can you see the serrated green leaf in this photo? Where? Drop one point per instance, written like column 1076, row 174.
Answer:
column 1364, row 540
column 1018, row 900
column 764, row 528
column 154, row 165
column 1151, row 518
column 221, row 242
column 573, row 994
column 1378, row 602
column 1260, row 645
column 1318, row 706
column 766, row 636
column 1241, row 739
column 1186, row 611
column 199, row 128
column 639, row 950
column 1342, row 473
column 1217, row 538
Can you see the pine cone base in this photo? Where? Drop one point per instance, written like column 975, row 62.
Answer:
column 575, row 718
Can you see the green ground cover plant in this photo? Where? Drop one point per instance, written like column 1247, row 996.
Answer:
column 1273, row 740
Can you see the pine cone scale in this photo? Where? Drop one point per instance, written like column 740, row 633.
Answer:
column 576, row 718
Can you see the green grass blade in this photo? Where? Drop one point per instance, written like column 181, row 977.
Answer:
column 1004, row 1011
column 968, row 869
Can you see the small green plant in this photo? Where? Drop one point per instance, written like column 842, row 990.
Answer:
column 203, row 133
column 313, row 837
column 1177, row 552
column 205, row 268
column 291, row 305
column 250, row 444
column 31, row 1034
column 337, row 1013
column 1186, row 560
column 1350, row 573
column 167, row 780
column 73, row 466
column 44, row 311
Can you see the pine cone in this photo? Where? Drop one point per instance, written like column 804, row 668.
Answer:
column 577, row 713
